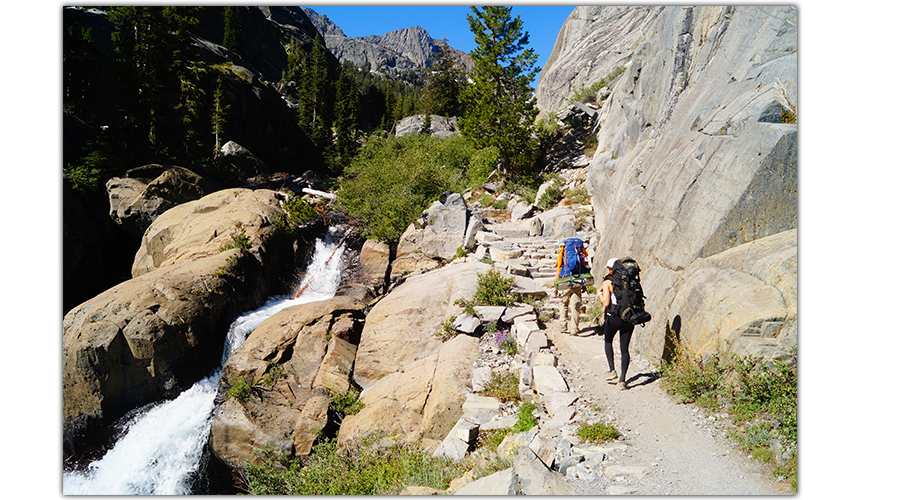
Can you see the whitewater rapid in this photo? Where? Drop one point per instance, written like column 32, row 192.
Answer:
column 160, row 450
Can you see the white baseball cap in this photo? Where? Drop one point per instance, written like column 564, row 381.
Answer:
column 611, row 261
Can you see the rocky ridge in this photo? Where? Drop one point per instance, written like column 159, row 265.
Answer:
column 390, row 54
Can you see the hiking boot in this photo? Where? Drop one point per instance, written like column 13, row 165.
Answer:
column 612, row 376
column 622, row 386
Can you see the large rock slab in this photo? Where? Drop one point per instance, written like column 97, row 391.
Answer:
column 592, row 42
column 692, row 159
column 400, row 328
column 291, row 359
column 200, row 228
column 420, row 403
column 137, row 199
column 151, row 336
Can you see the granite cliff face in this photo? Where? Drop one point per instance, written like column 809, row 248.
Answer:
column 693, row 161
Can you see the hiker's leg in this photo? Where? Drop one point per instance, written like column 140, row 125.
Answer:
column 608, row 333
column 574, row 310
column 624, row 341
column 564, row 308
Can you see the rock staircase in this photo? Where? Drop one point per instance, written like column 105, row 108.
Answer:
column 548, row 457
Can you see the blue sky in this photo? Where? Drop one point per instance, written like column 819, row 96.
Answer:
column 541, row 22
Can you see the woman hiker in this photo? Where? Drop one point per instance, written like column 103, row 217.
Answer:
column 614, row 323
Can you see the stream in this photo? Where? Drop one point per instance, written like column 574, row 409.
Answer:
column 160, row 448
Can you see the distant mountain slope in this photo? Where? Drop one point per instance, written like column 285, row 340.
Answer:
column 391, row 54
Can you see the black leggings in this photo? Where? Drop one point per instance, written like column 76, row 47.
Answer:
column 615, row 324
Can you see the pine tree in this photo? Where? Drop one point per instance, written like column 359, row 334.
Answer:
column 314, row 98
column 444, row 83
column 346, row 118
column 499, row 108
column 219, row 115
column 234, row 37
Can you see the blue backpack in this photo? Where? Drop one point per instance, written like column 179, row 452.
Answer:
column 573, row 258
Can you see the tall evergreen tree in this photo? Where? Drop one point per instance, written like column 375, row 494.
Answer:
column 234, row 37
column 499, row 108
column 444, row 83
column 346, row 118
column 314, row 100
column 152, row 46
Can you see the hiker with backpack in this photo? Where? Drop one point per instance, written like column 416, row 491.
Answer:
column 623, row 297
column 572, row 276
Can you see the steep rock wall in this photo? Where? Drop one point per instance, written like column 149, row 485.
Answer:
column 693, row 159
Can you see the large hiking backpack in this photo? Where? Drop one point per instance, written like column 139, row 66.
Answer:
column 574, row 271
column 629, row 294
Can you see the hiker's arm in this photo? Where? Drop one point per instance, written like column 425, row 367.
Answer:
column 605, row 289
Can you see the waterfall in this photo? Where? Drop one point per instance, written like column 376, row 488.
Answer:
column 160, row 448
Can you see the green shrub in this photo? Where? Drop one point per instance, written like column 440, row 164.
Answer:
column 345, row 403
column 366, row 467
column 446, row 331
column 526, row 420
column 597, row 433
column 552, row 195
column 393, row 179
column 238, row 388
column 239, row 238
column 589, row 94
column 577, row 196
column 297, row 212
column 503, row 386
column 492, row 289
column 762, row 397
column 491, row 439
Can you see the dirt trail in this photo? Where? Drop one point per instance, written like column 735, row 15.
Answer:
column 674, row 449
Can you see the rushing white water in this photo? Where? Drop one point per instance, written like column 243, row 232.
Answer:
column 160, row 450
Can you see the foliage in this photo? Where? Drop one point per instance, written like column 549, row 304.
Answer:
column 152, row 46
column 503, row 386
column 443, row 83
column 239, row 238
column 346, row 403
column 233, row 38
column 274, row 372
column 367, row 467
column 589, row 94
column 492, row 289
column 297, row 212
column 499, row 107
column 392, row 180
column 597, row 433
column 506, row 342
column 446, row 330
column 761, row 396
column 526, row 420
column 238, row 388
column 491, row 439
column 552, row 195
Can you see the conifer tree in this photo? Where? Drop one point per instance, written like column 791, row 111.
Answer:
column 219, row 114
column 234, row 37
column 444, row 83
column 499, row 108
column 314, row 100
column 346, row 118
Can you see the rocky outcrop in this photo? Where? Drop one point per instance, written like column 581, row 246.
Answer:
column 150, row 336
column 692, row 156
column 400, row 329
column 421, row 402
column 163, row 330
column 441, row 126
column 444, row 228
column 291, row 361
column 391, row 54
column 592, row 42
column 137, row 199
column 200, row 228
